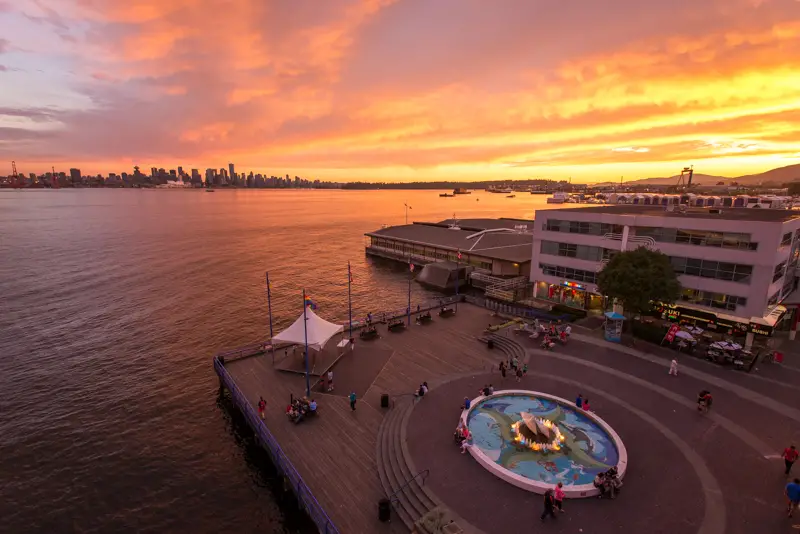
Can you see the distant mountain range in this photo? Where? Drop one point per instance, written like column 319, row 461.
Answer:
column 781, row 175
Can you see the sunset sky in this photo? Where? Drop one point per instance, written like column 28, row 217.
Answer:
column 402, row 89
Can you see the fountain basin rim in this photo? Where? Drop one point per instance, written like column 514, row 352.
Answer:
column 571, row 491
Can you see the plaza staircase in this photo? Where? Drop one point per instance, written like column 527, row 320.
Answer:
column 410, row 499
column 510, row 347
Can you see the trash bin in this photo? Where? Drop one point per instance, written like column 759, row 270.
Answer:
column 490, row 343
column 384, row 400
column 384, row 510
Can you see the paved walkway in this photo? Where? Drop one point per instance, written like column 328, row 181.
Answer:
column 712, row 474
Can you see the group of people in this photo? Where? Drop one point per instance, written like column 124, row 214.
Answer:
column 514, row 365
column 299, row 409
column 462, row 436
column 608, row 483
column 553, row 499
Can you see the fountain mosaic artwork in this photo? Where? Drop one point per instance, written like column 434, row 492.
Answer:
column 541, row 439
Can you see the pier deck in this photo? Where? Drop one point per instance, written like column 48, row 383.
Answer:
column 335, row 452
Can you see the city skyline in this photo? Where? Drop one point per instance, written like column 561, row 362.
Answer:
column 384, row 90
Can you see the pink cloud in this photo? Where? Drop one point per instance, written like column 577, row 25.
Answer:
column 366, row 83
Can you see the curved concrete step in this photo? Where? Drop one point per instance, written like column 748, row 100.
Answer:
column 412, row 502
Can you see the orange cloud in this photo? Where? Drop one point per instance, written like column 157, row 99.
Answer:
column 346, row 87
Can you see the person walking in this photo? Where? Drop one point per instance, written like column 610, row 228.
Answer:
column 559, row 496
column 519, row 374
column 793, row 494
column 549, row 504
column 673, row 368
column 503, row 369
column 789, row 457
column 262, row 405
column 353, row 400
column 524, row 369
column 330, row 380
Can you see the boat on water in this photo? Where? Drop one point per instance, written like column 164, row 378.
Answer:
column 499, row 189
column 559, row 197
column 510, row 196
column 461, row 191
column 538, row 192
column 446, row 195
column 209, row 190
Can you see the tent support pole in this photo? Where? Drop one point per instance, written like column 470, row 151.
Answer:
column 269, row 308
column 305, row 333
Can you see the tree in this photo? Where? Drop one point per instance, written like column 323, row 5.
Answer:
column 794, row 188
column 639, row 277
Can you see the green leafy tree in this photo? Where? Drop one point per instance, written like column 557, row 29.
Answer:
column 638, row 277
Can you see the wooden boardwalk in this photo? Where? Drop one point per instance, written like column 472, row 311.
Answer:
column 335, row 453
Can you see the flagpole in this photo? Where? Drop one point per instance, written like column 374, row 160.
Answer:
column 269, row 307
column 410, row 275
column 458, row 277
column 305, row 334
column 349, row 300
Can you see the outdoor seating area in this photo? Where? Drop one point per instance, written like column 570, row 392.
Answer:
column 717, row 347
column 369, row 332
column 424, row 318
column 301, row 409
column 397, row 324
column 446, row 311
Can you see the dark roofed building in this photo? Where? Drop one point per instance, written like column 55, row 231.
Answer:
column 500, row 251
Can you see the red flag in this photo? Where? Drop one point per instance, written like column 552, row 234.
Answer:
column 670, row 335
column 411, row 266
column 459, row 254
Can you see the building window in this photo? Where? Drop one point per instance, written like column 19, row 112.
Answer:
column 697, row 237
column 581, row 227
column 712, row 300
column 787, row 239
column 788, row 286
column 579, row 275
column 581, row 252
column 778, row 273
column 711, row 269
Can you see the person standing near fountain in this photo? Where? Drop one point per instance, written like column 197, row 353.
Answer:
column 579, row 401
column 559, row 497
column 549, row 504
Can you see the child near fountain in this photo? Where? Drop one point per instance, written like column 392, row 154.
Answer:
column 559, row 495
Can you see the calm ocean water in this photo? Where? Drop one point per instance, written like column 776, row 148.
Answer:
column 112, row 303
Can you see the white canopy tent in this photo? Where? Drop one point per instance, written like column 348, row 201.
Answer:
column 320, row 331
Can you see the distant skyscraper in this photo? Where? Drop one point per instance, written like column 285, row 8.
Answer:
column 75, row 175
column 180, row 170
column 231, row 171
column 153, row 172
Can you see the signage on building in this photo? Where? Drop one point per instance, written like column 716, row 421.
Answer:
column 760, row 329
column 572, row 285
column 708, row 320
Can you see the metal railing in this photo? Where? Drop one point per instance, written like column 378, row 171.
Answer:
column 282, row 463
column 424, row 474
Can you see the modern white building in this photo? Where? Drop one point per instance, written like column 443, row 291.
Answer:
column 736, row 265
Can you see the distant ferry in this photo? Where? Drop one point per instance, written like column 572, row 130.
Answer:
column 461, row 191
column 499, row 189
column 538, row 192
column 558, row 197
column 445, row 195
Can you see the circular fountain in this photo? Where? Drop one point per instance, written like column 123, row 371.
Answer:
column 534, row 440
